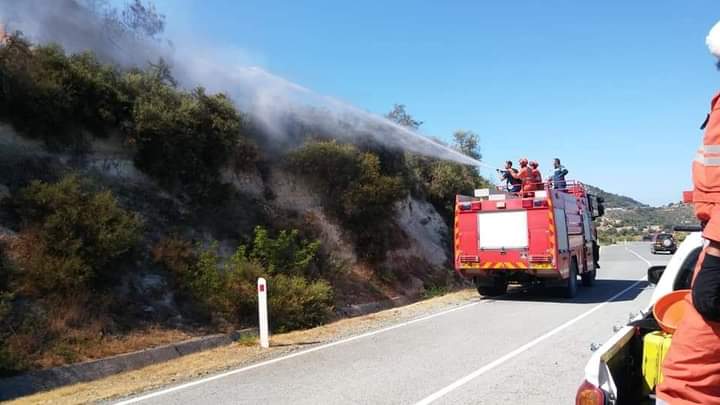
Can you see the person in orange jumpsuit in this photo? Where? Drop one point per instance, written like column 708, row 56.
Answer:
column 691, row 369
column 524, row 174
column 536, row 176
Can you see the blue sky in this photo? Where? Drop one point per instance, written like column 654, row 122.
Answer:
column 616, row 89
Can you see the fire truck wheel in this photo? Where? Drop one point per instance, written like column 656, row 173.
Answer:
column 499, row 287
column 588, row 278
column 571, row 288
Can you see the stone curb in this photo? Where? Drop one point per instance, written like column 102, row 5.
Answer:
column 371, row 307
column 41, row 380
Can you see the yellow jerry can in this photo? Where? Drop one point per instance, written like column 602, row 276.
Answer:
column 655, row 347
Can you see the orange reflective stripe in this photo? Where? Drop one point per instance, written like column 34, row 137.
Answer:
column 706, row 165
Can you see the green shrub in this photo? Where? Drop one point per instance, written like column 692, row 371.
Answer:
column 181, row 138
column 184, row 139
column 449, row 179
column 294, row 302
column 286, row 253
column 356, row 191
column 331, row 167
column 228, row 289
column 50, row 96
column 71, row 235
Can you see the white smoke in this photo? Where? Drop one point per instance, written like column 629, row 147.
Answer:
column 79, row 25
column 275, row 103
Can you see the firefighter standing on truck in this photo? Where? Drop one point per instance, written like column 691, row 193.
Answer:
column 692, row 367
column 536, row 175
column 512, row 185
column 524, row 175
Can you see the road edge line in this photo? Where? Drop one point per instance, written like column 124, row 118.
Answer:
column 293, row 355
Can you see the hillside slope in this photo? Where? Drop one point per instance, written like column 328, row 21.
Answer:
column 613, row 200
column 134, row 212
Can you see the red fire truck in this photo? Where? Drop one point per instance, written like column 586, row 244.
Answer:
column 544, row 236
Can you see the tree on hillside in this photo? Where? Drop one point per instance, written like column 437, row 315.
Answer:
column 143, row 19
column 467, row 142
column 399, row 115
column 138, row 18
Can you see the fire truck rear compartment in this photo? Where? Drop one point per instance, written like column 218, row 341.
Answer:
column 542, row 238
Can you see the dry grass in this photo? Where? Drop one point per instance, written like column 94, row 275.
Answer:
column 72, row 333
column 236, row 355
column 134, row 341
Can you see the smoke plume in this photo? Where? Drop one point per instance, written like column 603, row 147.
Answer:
column 276, row 104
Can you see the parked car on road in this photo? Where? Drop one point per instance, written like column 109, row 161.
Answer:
column 614, row 373
column 663, row 242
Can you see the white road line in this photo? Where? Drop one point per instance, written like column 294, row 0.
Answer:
column 290, row 356
column 639, row 256
column 477, row 373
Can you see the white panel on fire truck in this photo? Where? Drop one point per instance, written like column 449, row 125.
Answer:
column 497, row 197
column 503, row 229
column 561, row 229
column 541, row 194
column 482, row 192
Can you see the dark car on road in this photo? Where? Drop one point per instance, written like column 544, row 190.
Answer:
column 663, row 242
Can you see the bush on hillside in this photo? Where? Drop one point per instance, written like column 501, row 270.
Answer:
column 181, row 138
column 227, row 289
column 9, row 362
column 446, row 180
column 330, row 166
column 184, row 139
column 71, row 236
column 372, row 194
column 286, row 253
column 51, row 96
column 440, row 181
column 356, row 191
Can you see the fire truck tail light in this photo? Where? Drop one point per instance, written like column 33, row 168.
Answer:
column 466, row 206
column 469, row 259
column 541, row 259
column 527, row 203
column 540, row 204
column 589, row 394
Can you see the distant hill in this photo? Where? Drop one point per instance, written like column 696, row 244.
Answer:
column 628, row 219
column 615, row 200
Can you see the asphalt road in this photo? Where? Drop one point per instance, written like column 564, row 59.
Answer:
column 525, row 347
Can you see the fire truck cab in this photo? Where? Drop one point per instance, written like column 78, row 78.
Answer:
column 544, row 236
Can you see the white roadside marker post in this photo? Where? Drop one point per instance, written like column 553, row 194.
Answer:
column 263, row 313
